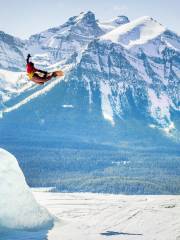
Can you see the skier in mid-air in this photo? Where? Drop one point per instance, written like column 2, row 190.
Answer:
column 39, row 76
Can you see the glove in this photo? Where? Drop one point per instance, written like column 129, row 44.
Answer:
column 27, row 59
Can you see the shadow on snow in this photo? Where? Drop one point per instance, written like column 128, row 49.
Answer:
column 112, row 233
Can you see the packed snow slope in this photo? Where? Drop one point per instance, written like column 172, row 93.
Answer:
column 99, row 217
column 18, row 207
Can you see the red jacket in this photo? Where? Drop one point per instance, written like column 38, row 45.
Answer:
column 30, row 68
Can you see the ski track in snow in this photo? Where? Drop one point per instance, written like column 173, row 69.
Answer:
column 87, row 216
column 97, row 216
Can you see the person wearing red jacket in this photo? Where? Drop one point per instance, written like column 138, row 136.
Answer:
column 36, row 75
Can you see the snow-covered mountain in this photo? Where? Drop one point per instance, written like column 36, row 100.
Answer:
column 110, row 25
column 70, row 39
column 139, row 59
column 115, row 70
column 12, row 51
column 67, row 40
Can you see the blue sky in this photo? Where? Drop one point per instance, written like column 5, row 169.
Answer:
column 25, row 17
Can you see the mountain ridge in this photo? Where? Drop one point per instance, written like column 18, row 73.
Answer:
column 111, row 124
column 114, row 68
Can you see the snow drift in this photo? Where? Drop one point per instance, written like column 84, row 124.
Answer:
column 18, row 207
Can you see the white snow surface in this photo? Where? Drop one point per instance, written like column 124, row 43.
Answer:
column 47, row 87
column 67, row 106
column 160, row 107
column 18, row 207
column 11, row 83
column 105, row 101
column 135, row 32
column 87, row 216
column 110, row 25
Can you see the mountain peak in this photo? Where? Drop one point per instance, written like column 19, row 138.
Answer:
column 147, row 19
column 6, row 37
column 111, row 24
column 84, row 17
column 115, row 22
column 87, row 17
column 119, row 20
column 87, row 14
column 135, row 32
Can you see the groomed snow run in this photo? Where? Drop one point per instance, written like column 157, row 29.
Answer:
column 87, row 216
column 18, row 207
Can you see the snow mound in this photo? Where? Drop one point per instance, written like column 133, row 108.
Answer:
column 18, row 207
column 135, row 32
